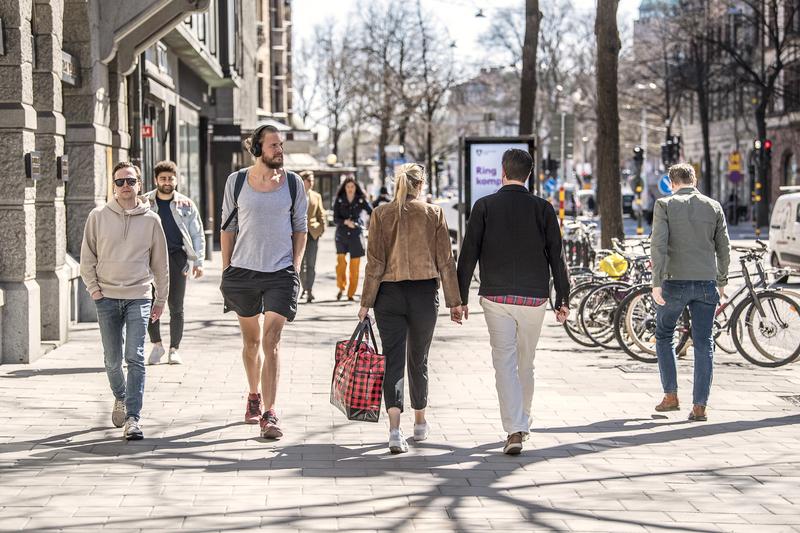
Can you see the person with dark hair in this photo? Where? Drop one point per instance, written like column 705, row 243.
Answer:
column 124, row 252
column 263, row 238
column 407, row 258
column 517, row 239
column 383, row 198
column 186, row 242
column 316, row 227
column 690, row 253
column 349, row 206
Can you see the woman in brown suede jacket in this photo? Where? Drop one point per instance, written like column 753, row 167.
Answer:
column 408, row 255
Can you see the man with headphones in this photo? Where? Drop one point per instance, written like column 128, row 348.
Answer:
column 263, row 238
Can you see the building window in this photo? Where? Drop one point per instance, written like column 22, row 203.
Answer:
column 790, row 176
column 277, row 98
column 189, row 154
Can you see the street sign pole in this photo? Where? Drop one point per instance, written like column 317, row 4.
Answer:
column 563, row 148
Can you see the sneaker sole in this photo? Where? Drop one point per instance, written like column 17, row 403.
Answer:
column 118, row 422
column 513, row 450
column 420, row 438
column 135, row 436
column 397, row 449
column 272, row 433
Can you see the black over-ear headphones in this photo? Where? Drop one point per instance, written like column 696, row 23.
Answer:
column 255, row 140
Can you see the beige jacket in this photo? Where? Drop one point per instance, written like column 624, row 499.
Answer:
column 414, row 246
column 316, row 215
column 124, row 252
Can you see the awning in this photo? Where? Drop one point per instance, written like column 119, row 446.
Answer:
column 299, row 162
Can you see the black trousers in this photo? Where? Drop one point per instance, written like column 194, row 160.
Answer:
column 308, row 268
column 178, row 273
column 405, row 312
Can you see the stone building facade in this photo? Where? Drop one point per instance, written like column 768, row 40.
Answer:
column 76, row 77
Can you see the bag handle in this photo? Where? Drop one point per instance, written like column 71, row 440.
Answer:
column 358, row 335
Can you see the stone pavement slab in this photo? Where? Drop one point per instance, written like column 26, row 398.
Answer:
column 599, row 459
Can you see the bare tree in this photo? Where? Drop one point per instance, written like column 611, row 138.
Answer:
column 333, row 61
column 527, row 90
column 607, row 143
column 383, row 25
column 758, row 38
column 438, row 75
column 305, row 81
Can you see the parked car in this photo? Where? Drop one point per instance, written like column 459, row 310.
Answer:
column 784, row 231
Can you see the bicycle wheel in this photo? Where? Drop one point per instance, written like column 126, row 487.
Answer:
column 722, row 331
column 622, row 335
column 572, row 325
column 775, row 336
column 596, row 312
column 640, row 323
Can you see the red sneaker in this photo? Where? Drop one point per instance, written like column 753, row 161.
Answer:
column 269, row 426
column 253, row 412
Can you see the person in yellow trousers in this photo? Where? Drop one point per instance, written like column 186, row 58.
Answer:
column 348, row 207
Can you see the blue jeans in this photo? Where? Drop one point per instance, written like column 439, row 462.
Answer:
column 702, row 298
column 123, row 324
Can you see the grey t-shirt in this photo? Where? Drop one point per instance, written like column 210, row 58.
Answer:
column 264, row 241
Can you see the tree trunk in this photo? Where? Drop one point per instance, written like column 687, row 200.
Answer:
column 762, row 207
column 609, row 195
column 527, row 95
column 383, row 140
column 433, row 183
column 705, row 184
column 356, row 136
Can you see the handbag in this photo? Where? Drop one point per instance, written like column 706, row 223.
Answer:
column 357, row 382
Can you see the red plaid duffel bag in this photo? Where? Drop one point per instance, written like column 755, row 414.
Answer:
column 357, row 384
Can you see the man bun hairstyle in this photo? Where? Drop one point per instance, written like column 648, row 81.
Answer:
column 165, row 166
column 517, row 164
column 127, row 164
column 253, row 144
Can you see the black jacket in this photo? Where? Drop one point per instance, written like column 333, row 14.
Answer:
column 344, row 210
column 516, row 237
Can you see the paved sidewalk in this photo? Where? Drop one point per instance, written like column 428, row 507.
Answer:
column 598, row 460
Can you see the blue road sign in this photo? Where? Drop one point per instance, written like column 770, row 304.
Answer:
column 664, row 186
column 550, row 185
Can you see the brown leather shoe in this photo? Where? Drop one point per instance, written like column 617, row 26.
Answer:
column 513, row 444
column 668, row 404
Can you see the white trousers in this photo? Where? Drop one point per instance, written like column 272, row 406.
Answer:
column 513, row 333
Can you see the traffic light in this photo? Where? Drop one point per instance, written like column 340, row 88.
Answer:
column 638, row 154
column 768, row 149
column 671, row 150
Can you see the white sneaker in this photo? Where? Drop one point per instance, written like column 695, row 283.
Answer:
column 132, row 430
column 397, row 442
column 174, row 358
column 118, row 413
column 421, row 431
column 156, row 355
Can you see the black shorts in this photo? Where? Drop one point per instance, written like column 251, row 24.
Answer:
column 250, row 293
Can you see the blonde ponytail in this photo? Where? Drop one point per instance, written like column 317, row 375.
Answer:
column 408, row 180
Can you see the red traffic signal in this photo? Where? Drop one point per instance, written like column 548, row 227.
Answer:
column 767, row 145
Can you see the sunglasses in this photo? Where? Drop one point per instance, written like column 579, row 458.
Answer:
column 122, row 181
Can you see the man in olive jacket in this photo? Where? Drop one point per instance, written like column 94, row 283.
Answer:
column 316, row 227
column 690, row 253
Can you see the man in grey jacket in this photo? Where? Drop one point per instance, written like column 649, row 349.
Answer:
column 185, row 242
column 690, row 254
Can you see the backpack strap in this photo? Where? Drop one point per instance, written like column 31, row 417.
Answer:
column 237, row 189
column 290, row 177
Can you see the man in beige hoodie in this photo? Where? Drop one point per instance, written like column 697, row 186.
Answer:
column 124, row 252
